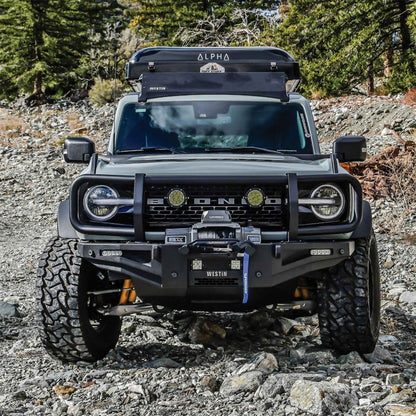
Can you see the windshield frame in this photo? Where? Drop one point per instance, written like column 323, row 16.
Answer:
column 294, row 99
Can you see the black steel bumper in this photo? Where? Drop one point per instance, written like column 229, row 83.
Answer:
column 163, row 274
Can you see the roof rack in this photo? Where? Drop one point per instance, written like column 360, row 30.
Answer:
column 224, row 60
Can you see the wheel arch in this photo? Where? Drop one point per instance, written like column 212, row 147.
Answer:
column 365, row 226
column 65, row 228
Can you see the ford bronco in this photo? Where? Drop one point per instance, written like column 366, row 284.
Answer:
column 213, row 196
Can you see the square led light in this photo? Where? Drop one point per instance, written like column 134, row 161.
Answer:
column 196, row 264
column 235, row 265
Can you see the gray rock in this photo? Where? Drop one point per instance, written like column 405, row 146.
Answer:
column 396, row 379
column 8, row 310
column 370, row 384
column 408, row 297
column 264, row 362
column 379, row 355
column 287, row 324
column 388, row 339
column 270, row 388
column 210, row 383
column 162, row 362
column 247, row 382
column 203, row 331
column 351, row 359
column 282, row 383
column 396, row 398
column 320, row 398
column 141, row 391
column 20, row 395
column 313, row 355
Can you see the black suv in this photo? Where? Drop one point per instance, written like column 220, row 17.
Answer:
column 213, row 196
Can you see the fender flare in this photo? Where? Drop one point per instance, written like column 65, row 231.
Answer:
column 65, row 228
column 365, row 226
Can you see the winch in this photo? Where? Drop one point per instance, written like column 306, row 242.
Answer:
column 216, row 226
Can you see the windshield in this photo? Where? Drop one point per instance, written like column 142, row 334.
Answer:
column 197, row 126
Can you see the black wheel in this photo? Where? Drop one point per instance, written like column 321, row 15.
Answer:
column 71, row 327
column 349, row 301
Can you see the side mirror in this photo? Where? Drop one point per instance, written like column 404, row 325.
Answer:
column 78, row 149
column 350, row 148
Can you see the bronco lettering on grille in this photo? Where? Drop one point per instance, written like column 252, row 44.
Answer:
column 215, row 201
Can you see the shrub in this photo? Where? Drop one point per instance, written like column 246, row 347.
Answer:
column 103, row 91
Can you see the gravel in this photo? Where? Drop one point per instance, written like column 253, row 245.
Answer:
column 160, row 365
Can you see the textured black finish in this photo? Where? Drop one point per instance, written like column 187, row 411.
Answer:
column 66, row 329
column 365, row 226
column 65, row 228
column 293, row 206
column 138, row 207
column 349, row 301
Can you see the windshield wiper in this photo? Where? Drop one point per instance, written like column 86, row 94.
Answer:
column 247, row 149
column 172, row 150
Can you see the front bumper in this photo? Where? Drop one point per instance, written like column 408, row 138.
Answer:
column 162, row 273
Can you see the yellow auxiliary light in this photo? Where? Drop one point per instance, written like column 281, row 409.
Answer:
column 255, row 197
column 176, row 198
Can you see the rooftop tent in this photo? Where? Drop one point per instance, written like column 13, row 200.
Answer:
column 279, row 69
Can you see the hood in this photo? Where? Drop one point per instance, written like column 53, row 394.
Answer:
column 210, row 165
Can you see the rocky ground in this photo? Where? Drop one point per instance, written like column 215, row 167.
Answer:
column 253, row 364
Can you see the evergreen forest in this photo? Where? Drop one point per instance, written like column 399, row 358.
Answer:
column 63, row 48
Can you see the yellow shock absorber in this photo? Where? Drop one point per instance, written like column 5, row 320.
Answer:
column 298, row 293
column 132, row 295
column 303, row 286
column 305, row 293
column 302, row 292
column 128, row 295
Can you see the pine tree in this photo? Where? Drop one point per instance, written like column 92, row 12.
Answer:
column 160, row 21
column 343, row 44
column 41, row 43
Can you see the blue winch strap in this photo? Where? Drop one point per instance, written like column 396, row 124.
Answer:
column 246, row 259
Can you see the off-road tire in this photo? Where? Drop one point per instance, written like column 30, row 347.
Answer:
column 66, row 330
column 349, row 301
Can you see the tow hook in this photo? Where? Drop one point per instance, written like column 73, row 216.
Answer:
column 248, row 250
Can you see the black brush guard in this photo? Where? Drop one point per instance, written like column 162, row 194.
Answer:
column 137, row 230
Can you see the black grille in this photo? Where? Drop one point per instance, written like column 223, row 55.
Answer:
column 159, row 217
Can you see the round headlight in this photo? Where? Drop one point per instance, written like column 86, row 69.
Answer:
column 176, row 198
column 333, row 205
column 255, row 197
column 95, row 202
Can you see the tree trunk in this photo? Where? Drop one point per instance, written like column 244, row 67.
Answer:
column 38, row 81
column 388, row 61
column 37, row 97
column 404, row 28
column 370, row 79
column 37, row 87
